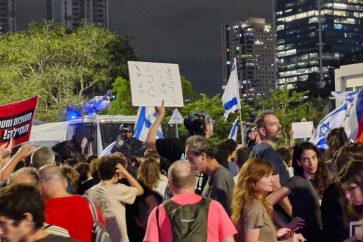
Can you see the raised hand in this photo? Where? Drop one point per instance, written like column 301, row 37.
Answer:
column 161, row 109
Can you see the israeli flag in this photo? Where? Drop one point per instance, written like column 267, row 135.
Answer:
column 333, row 120
column 230, row 98
column 347, row 96
column 108, row 149
column 234, row 130
column 353, row 123
column 145, row 118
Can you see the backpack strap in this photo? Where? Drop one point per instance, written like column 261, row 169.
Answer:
column 92, row 208
column 157, row 221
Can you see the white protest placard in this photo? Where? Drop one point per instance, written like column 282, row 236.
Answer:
column 355, row 228
column 153, row 82
column 302, row 129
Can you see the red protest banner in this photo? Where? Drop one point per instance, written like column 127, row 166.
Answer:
column 16, row 121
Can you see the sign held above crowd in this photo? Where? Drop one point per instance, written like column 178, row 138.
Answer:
column 153, row 82
column 303, row 129
column 16, row 121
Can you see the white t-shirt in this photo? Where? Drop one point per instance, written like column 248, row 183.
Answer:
column 161, row 186
column 111, row 199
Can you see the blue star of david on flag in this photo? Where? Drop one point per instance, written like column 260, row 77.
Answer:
column 324, row 130
column 333, row 120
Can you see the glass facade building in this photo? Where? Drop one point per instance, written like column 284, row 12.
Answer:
column 7, row 16
column 299, row 35
column 73, row 12
column 252, row 43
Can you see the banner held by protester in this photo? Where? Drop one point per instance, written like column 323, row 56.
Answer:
column 16, row 121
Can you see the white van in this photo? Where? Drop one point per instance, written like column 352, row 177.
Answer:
column 100, row 131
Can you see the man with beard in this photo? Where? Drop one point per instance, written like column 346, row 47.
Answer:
column 269, row 129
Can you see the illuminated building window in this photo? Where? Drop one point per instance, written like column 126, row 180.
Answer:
column 338, row 26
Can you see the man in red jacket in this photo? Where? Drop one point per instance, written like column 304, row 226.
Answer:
column 68, row 211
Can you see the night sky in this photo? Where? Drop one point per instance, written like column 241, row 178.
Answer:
column 186, row 32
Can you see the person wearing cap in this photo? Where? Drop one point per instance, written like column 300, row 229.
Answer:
column 128, row 145
column 197, row 123
column 253, row 137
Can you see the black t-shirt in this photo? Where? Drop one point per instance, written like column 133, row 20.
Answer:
column 86, row 185
column 267, row 152
column 172, row 149
column 305, row 204
column 334, row 225
column 138, row 210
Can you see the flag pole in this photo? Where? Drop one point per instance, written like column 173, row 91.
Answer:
column 240, row 109
column 241, row 126
column 176, row 130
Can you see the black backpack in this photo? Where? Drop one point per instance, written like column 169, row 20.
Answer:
column 188, row 222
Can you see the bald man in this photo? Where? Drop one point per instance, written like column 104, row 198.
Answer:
column 182, row 181
column 68, row 211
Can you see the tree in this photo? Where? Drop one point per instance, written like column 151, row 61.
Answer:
column 318, row 109
column 188, row 92
column 61, row 67
column 122, row 104
column 289, row 106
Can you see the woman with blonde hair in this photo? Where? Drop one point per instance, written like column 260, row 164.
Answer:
column 149, row 174
column 250, row 211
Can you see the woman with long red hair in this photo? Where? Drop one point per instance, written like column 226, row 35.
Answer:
column 250, row 211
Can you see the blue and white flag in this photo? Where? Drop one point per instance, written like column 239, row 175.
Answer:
column 145, row 118
column 347, row 96
column 107, row 150
column 333, row 120
column 234, row 130
column 353, row 123
column 230, row 98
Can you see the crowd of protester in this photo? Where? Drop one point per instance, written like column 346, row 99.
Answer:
column 185, row 189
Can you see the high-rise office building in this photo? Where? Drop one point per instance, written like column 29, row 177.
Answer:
column 252, row 43
column 309, row 29
column 73, row 12
column 7, row 16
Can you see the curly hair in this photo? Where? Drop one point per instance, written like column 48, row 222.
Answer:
column 196, row 122
column 149, row 173
column 321, row 179
column 246, row 190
